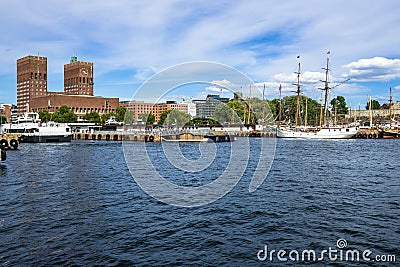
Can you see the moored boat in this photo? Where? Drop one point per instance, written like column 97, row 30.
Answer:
column 32, row 130
column 325, row 132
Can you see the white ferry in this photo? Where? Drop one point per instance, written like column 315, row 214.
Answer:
column 32, row 130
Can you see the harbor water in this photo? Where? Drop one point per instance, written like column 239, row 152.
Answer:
column 76, row 204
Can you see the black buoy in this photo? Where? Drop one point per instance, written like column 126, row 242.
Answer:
column 14, row 144
column 3, row 144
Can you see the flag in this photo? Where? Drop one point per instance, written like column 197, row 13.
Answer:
column 328, row 53
column 280, row 87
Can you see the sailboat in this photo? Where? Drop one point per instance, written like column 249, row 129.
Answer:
column 393, row 131
column 325, row 131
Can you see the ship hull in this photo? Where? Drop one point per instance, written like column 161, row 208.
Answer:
column 47, row 138
column 390, row 135
column 324, row 133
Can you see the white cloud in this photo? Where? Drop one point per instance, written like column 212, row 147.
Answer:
column 216, row 89
column 374, row 69
column 260, row 38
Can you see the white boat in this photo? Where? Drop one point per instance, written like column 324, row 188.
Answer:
column 113, row 122
column 323, row 132
column 318, row 133
column 32, row 130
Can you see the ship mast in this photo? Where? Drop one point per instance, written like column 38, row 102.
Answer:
column 390, row 108
column 298, row 91
column 263, row 106
column 326, row 89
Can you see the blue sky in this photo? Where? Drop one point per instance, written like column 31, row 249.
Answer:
column 129, row 41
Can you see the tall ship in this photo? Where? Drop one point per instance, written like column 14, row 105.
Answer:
column 325, row 130
column 32, row 130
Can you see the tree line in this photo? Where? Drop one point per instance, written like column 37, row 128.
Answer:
column 236, row 111
column 65, row 114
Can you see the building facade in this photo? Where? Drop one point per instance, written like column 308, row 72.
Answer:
column 78, row 77
column 31, row 81
column 5, row 111
column 138, row 107
column 206, row 108
column 33, row 94
column 80, row 104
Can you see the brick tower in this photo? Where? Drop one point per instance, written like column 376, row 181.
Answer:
column 78, row 77
column 31, row 80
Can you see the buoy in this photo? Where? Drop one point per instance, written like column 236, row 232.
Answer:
column 78, row 136
column 135, row 138
column 151, row 138
column 364, row 136
column 14, row 144
column 370, row 136
column 115, row 138
column 108, row 137
column 3, row 144
column 93, row 137
column 99, row 137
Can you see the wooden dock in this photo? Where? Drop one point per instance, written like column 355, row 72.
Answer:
column 368, row 133
column 152, row 137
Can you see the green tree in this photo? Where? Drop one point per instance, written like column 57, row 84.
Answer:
column 44, row 115
column 163, row 116
column 92, row 117
column 176, row 117
column 375, row 104
column 238, row 110
column 339, row 103
column 129, row 117
column 120, row 113
column 195, row 121
column 64, row 114
column 289, row 106
column 106, row 116
column 147, row 118
column 223, row 113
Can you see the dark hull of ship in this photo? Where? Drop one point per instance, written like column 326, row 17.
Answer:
column 389, row 135
column 46, row 139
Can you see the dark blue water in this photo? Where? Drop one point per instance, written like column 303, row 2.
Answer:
column 77, row 204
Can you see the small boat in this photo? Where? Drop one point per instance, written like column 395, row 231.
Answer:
column 32, row 130
column 112, row 122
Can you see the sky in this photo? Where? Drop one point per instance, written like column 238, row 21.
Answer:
column 131, row 41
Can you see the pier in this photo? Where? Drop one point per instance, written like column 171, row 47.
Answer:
column 368, row 133
column 152, row 137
